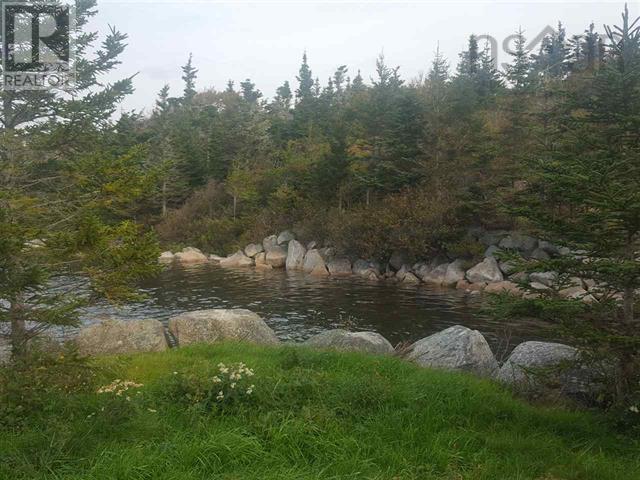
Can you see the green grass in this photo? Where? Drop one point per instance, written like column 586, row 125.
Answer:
column 313, row 415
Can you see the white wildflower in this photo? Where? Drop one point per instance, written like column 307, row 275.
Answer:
column 634, row 409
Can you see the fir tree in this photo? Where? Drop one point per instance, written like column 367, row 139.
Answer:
column 249, row 92
column 469, row 59
column 162, row 103
column 305, row 90
column 339, row 78
column 189, row 75
column 358, row 82
column 518, row 74
column 284, row 96
column 439, row 71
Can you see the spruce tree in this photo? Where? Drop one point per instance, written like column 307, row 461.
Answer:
column 358, row 82
column 439, row 71
column 469, row 59
column 518, row 74
column 67, row 189
column 305, row 81
column 189, row 75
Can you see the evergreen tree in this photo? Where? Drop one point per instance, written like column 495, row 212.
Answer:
column 339, row 78
column 189, row 75
column 284, row 96
column 162, row 103
column 305, row 82
column 249, row 92
column 469, row 59
column 584, row 194
column 553, row 59
column 488, row 79
column 518, row 74
column 439, row 71
column 358, row 83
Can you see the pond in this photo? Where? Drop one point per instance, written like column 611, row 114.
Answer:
column 297, row 306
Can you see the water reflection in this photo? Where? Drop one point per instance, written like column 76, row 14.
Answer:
column 297, row 306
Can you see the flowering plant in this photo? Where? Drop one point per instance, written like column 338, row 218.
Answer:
column 120, row 387
column 226, row 385
column 119, row 400
column 232, row 382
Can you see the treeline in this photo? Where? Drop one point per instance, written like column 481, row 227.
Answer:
column 357, row 159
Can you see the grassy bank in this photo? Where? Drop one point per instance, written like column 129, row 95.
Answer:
column 311, row 415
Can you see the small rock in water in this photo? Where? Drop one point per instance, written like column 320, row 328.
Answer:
column 339, row 267
column 276, row 257
column 191, row 255
column 486, row 271
column 238, row 259
column 253, row 249
column 295, row 255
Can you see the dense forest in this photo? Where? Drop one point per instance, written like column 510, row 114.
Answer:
column 372, row 164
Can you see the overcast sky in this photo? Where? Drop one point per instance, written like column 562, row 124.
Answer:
column 264, row 41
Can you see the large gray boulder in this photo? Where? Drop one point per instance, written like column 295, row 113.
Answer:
column 238, row 259
column 295, row 255
column 433, row 274
column 191, row 255
column 518, row 241
column 547, row 279
column 492, row 238
column 540, row 254
column 397, row 260
column 285, row 237
column 113, row 337
column 270, row 243
column 276, row 257
column 313, row 260
column 456, row 348
column 454, row 273
column 339, row 267
column 370, row 342
column 548, row 247
column 253, row 249
column 486, row 271
column 534, row 366
column 366, row 269
column 405, row 275
column 211, row 326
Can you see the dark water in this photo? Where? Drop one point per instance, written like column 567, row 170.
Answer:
column 297, row 306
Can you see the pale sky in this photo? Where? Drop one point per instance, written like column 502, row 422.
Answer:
column 264, row 41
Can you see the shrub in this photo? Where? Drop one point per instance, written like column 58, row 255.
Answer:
column 413, row 221
column 31, row 386
column 230, row 385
